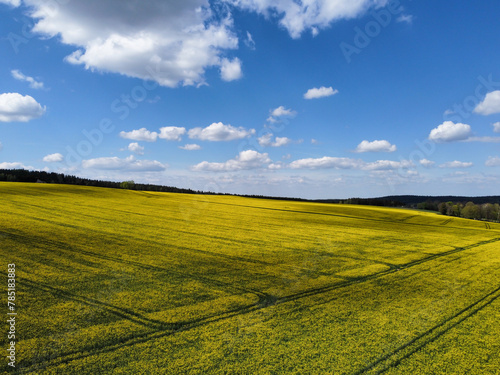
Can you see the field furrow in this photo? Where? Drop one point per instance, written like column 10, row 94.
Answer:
column 116, row 281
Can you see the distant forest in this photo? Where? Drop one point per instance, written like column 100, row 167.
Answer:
column 22, row 175
column 478, row 208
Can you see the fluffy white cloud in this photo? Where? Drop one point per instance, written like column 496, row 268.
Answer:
column 496, row 127
column 493, row 161
column 298, row 16
column 267, row 141
column 219, row 132
column 230, row 70
column 375, row 146
column 248, row 159
column 490, row 104
column 448, row 131
column 34, row 84
column 190, row 147
column 321, row 92
column 456, row 164
column 281, row 111
column 328, row 162
column 281, row 141
column 427, row 163
column 169, row 42
column 127, row 164
column 136, row 148
column 15, row 107
column 172, row 133
column 53, row 158
column 140, row 135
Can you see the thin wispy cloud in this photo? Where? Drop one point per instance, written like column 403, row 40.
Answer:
column 33, row 83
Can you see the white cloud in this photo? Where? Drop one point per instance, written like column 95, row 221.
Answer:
column 493, row 161
column 248, row 159
column 298, row 16
column 172, row 133
column 483, row 139
column 14, row 3
column 275, row 166
column 281, row 111
column 496, row 127
column 281, row 141
column 314, row 141
column 427, row 163
column 136, row 148
column 321, row 92
column 34, row 84
column 140, row 135
column 190, row 147
column 169, row 42
column 328, row 162
column 17, row 108
column 375, row 146
column 406, row 18
column 448, row 131
column 490, row 104
column 250, row 43
column 219, row 132
column 127, row 164
column 456, row 164
column 53, row 158
column 385, row 165
column 14, row 165
column 267, row 141
column 230, row 70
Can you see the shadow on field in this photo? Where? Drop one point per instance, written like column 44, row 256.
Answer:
column 404, row 351
column 160, row 329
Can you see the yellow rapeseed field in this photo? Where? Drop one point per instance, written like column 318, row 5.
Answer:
column 124, row 282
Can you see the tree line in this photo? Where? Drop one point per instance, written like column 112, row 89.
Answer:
column 469, row 210
column 487, row 208
column 22, row 175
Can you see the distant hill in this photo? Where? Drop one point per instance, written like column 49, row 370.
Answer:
column 22, row 175
column 415, row 199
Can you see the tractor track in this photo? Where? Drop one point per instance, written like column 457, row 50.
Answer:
column 266, row 301
column 406, row 350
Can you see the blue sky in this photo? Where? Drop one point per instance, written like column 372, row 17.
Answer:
column 314, row 99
